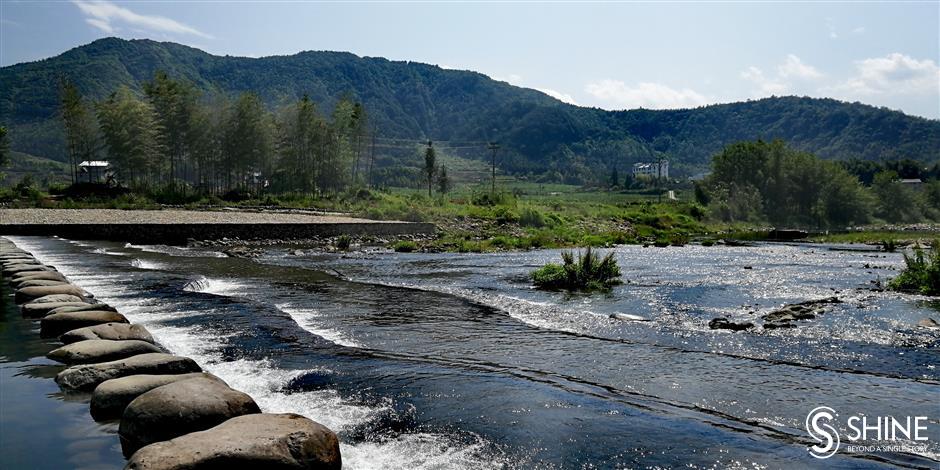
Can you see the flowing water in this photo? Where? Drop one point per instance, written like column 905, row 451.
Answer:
column 454, row 361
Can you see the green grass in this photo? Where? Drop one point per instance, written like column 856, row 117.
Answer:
column 876, row 237
column 921, row 273
column 586, row 271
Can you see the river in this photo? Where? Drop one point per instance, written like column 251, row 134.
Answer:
column 424, row 361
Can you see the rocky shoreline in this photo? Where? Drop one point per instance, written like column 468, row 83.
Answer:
column 173, row 415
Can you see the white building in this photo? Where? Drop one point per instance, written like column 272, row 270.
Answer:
column 658, row 169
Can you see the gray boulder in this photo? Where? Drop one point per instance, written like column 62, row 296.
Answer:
column 929, row 323
column 26, row 294
column 74, row 308
column 112, row 331
column 112, row 396
column 269, row 441
column 39, row 310
column 14, row 269
column 9, row 261
column 88, row 376
column 180, row 408
column 52, row 326
column 722, row 323
column 36, row 276
column 41, row 283
column 100, row 350
column 55, row 298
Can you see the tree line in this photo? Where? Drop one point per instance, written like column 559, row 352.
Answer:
column 769, row 182
column 173, row 137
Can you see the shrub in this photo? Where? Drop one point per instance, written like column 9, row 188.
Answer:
column 505, row 216
column 889, row 245
column 405, row 246
column 531, row 218
column 343, row 242
column 921, row 273
column 587, row 271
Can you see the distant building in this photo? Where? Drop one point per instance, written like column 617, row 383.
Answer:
column 95, row 169
column 658, row 169
column 913, row 182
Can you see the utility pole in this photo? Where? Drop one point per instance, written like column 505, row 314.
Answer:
column 494, row 146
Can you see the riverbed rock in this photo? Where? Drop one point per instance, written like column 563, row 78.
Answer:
column 180, row 408
column 112, row 331
column 52, row 326
column 37, row 275
column 88, row 376
column 81, row 308
column 41, row 282
column 25, row 294
column 14, row 269
column 55, row 298
column 112, row 396
column 270, row 441
column 101, row 350
column 9, row 261
column 929, row 323
column 792, row 313
column 39, row 310
column 722, row 323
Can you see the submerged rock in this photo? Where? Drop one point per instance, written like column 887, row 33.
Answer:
column 88, row 376
column 54, row 325
column 180, row 408
column 112, row 331
column 270, row 441
column 806, row 310
column 100, row 350
column 929, row 323
column 25, row 294
column 722, row 323
column 112, row 396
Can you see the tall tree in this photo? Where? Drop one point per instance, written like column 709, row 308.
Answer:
column 247, row 144
column 443, row 181
column 4, row 147
column 131, row 133
column 174, row 103
column 81, row 131
column 430, row 168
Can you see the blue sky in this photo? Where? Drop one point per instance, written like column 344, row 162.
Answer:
column 609, row 55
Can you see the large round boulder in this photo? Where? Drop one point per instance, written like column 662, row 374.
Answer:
column 88, row 376
column 180, row 408
column 14, row 269
column 112, row 331
column 52, row 326
column 80, row 308
column 41, row 283
column 36, row 276
column 270, row 441
column 112, row 396
column 19, row 259
column 26, row 294
column 56, row 298
column 100, row 350
column 39, row 310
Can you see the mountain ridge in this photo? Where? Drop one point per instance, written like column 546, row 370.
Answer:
column 415, row 100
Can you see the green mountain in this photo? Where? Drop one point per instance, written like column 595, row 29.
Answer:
column 410, row 100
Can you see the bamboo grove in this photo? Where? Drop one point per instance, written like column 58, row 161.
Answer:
column 173, row 137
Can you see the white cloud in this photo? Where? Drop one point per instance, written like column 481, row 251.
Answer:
column 859, row 30
column 558, row 95
column 790, row 74
column 794, row 67
column 617, row 94
column 893, row 74
column 765, row 85
column 109, row 17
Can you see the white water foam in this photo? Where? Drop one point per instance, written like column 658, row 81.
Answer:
column 222, row 287
column 144, row 264
column 258, row 378
column 310, row 320
column 176, row 251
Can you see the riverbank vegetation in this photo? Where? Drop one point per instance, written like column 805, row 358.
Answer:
column 921, row 273
column 584, row 271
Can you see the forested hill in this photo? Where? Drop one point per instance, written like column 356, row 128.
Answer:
column 412, row 100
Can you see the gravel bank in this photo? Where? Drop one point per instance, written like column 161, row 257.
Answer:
column 170, row 216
